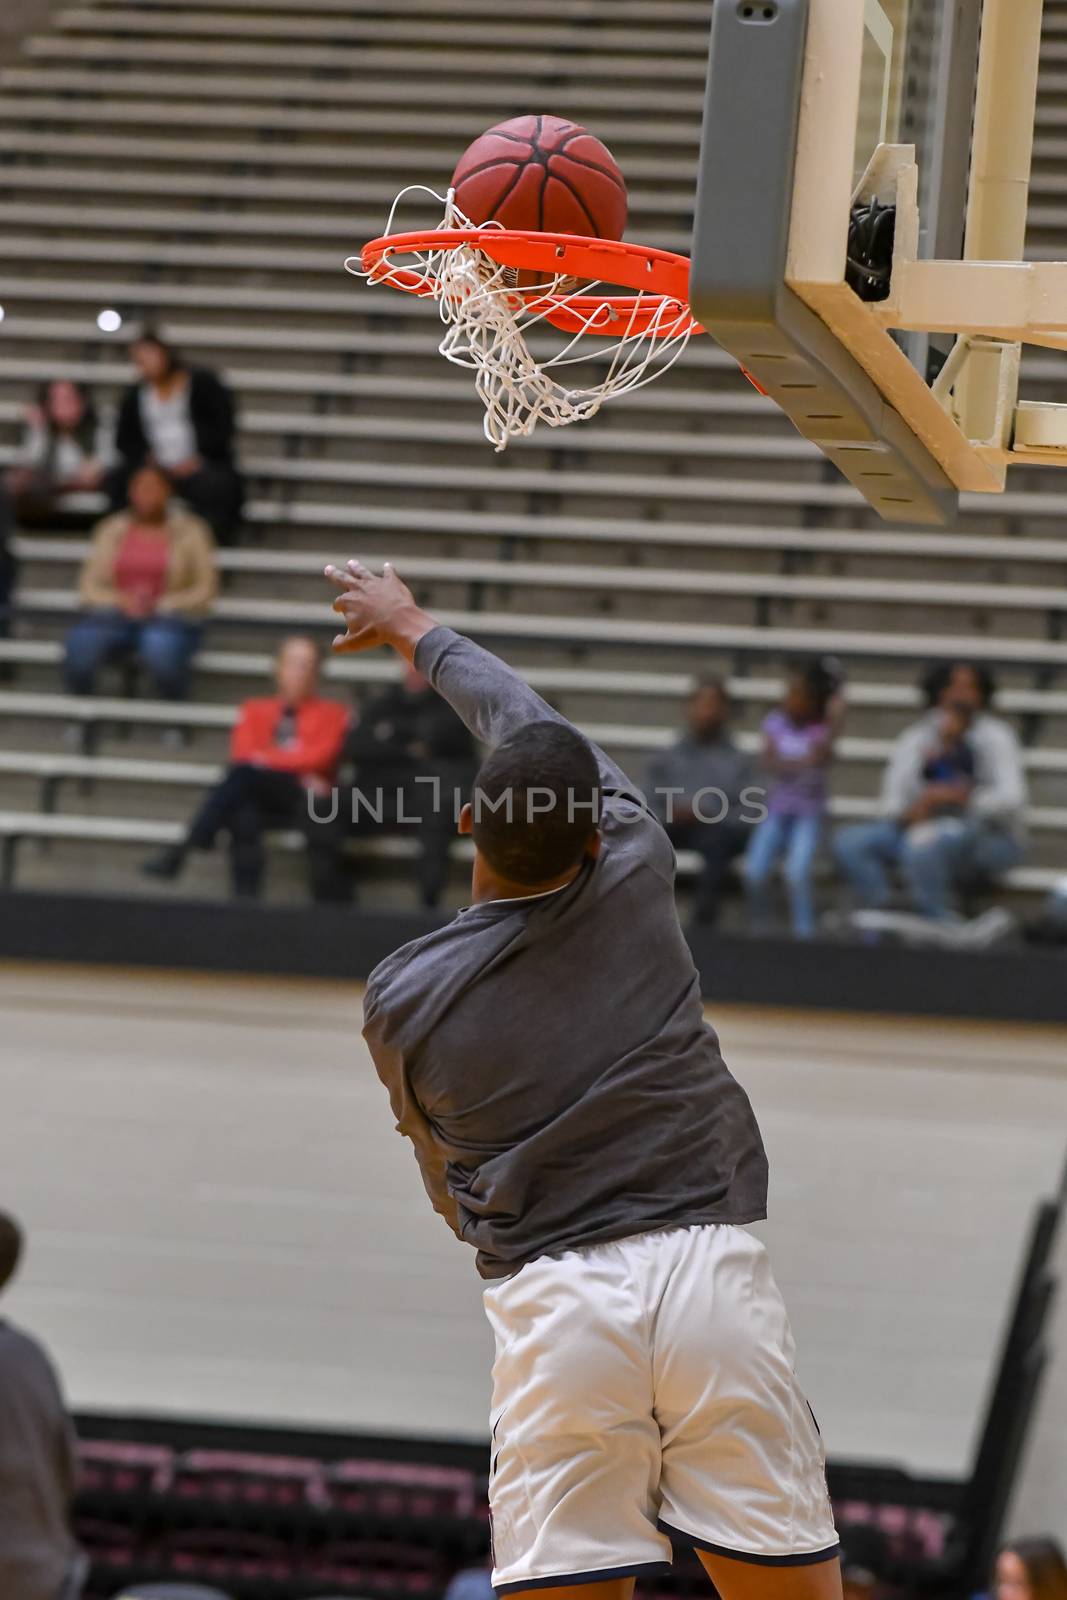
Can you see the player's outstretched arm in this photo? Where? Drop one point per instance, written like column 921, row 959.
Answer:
column 487, row 694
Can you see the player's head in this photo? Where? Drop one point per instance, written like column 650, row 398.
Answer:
column 296, row 669
column 708, row 708
column 1031, row 1569
column 963, row 683
column 535, row 808
column 10, row 1248
column 153, row 357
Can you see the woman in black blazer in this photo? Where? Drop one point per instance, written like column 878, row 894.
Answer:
column 183, row 420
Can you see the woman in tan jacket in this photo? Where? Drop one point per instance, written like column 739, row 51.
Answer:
column 148, row 580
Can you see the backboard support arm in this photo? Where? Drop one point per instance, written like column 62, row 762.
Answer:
column 1002, row 157
column 992, row 300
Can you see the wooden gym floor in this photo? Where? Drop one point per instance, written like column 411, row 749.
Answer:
column 222, row 1222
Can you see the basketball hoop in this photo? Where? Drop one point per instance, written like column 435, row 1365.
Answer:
column 478, row 277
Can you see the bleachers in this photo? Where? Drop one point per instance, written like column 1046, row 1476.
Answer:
column 264, row 1520
column 271, row 1526
column 212, row 164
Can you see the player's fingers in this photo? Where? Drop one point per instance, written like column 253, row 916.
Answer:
column 343, row 580
column 346, row 643
column 358, row 570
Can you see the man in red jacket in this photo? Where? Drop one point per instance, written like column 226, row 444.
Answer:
column 281, row 749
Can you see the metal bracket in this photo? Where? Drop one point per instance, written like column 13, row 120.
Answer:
column 738, row 281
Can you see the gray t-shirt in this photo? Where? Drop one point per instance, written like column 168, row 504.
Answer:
column 37, row 1473
column 549, row 1059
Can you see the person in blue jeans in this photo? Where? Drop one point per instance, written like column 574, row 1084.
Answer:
column 939, row 831
column 148, row 580
column 798, row 748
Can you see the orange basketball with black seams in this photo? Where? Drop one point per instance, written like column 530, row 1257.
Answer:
column 544, row 174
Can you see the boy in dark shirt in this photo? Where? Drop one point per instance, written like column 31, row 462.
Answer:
column 953, row 762
column 410, row 754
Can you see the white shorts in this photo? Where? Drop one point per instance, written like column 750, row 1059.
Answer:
column 643, row 1397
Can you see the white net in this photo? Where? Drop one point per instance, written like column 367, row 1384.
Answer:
column 488, row 326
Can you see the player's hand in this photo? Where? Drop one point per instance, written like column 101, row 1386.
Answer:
column 376, row 610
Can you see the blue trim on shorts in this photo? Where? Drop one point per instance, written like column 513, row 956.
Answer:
column 560, row 1580
column 806, row 1558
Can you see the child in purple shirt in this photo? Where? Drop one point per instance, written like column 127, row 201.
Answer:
column 798, row 747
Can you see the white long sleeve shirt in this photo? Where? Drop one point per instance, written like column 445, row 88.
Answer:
column 1000, row 793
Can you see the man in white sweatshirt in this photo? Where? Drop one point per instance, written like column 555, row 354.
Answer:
column 939, row 835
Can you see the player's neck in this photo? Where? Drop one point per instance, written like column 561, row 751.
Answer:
column 486, row 886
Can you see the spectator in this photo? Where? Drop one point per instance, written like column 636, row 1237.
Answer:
column 798, row 748
column 148, row 579
column 281, row 749
column 1031, row 1569
column 411, row 752
column 39, row 1559
column 705, row 766
column 183, row 420
column 66, row 450
column 942, row 828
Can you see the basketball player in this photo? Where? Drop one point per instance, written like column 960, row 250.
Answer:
column 547, row 1055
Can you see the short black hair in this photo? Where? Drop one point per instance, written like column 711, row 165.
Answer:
column 536, row 802
column 820, row 676
column 10, row 1247
column 710, row 680
column 151, row 335
column 936, row 679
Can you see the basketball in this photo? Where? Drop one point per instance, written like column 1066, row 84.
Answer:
column 544, row 174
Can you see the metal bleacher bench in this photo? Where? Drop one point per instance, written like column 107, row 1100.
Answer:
column 695, row 11
column 52, row 769
column 415, row 64
column 373, row 197
column 473, row 575
column 383, row 107
column 371, row 670
column 740, row 640
column 579, row 35
column 340, row 341
column 652, row 488
column 18, row 826
column 419, row 161
column 634, row 739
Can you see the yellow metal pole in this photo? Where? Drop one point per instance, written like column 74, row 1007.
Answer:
column 1003, row 145
column 999, row 198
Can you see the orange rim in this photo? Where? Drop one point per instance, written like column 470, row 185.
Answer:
column 658, row 276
